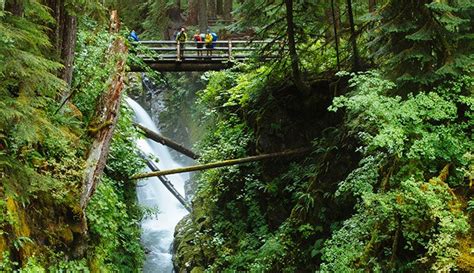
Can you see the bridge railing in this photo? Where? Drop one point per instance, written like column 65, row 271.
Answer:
column 190, row 51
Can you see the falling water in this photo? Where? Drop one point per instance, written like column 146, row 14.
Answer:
column 157, row 232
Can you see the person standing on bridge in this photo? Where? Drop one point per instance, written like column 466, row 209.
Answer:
column 199, row 43
column 181, row 38
column 209, row 42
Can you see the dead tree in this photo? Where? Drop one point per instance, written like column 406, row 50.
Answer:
column 103, row 123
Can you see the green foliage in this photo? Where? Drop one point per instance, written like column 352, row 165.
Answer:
column 113, row 213
column 42, row 153
column 426, row 45
column 411, row 139
column 92, row 66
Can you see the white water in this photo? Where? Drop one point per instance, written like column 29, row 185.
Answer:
column 157, row 231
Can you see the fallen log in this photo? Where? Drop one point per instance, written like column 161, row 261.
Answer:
column 167, row 142
column 224, row 163
column 168, row 185
column 103, row 123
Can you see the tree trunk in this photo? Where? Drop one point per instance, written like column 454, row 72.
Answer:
column 227, row 10
column 224, row 163
column 167, row 183
column 63, row 37
column 15, row 7
column 103, row 123
column 178, row 4
column 192, row 12
column 336, row 37
column 212, row 9
column 220, row 7
column 355, row 53
column 292, row 48
column 372, row 5
column 167, row 142
column 68, row 47
column 202, row 15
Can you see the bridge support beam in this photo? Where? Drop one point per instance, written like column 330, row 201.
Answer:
column 183, row 66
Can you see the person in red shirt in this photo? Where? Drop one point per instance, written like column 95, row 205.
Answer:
column 199, row 43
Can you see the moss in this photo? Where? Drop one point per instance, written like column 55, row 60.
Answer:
column 465, row 261
column 20, row 228
column 3, row 246
column 197, row 270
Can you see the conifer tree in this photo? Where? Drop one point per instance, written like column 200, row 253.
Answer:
column 424, row 42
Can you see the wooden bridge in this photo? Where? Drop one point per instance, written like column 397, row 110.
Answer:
column 187, row 56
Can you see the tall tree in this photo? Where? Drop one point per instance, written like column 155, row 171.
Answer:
column 292, row 48
column 192, row 12
column 202, row 15
column 212, row 9
column 15, row 7
column 372, row 4
column 417, row 38
column 335, row 25
column 227, row 10
column 220, row 7
column 355, row 53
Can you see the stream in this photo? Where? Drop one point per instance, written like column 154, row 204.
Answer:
column 158, row 229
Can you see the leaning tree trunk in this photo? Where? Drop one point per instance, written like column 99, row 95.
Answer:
column 224, row 163
column 103, row 123
column 202, row 15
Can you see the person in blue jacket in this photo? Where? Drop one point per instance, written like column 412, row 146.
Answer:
column 214, row 39
column 134, row 36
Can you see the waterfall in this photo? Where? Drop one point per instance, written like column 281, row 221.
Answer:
column 157, row 232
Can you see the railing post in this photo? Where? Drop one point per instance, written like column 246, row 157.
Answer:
column 230, row 50
column 178, row 51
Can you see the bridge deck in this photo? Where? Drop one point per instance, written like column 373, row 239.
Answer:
column 192, row 56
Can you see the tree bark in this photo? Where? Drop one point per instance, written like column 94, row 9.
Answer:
column 220, row 7
column 355, row 53
column 192, row 12
column 224, row 163
column 103, row 123
column 202, row 15
column 372, row 5
column 63, row 37
column 15, row 7
column 168, row 185
column 292, row 48
column 68, row 47
column 167, row 142
column 336, row 37
column 212, row 9
column 227, row 10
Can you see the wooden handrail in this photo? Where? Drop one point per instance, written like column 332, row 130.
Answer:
column 187, row 56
